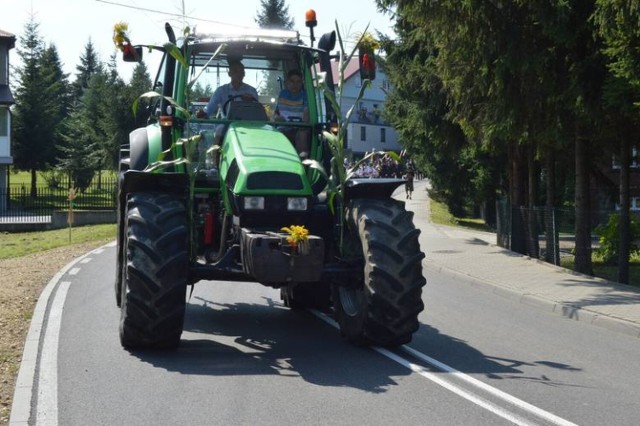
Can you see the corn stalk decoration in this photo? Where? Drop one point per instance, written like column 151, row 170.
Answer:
column 339, row 174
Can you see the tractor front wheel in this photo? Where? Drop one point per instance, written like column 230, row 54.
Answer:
column 155, row 272
column 381, row 306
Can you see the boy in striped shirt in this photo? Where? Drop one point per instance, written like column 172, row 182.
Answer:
column 292, row 107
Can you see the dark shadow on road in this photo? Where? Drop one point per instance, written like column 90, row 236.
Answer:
column 456, row 353
column 261, row 339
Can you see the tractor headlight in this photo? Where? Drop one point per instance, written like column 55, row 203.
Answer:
column 254, row 203
column 296, row 203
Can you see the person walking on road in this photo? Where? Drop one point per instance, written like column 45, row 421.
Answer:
column 408, row 186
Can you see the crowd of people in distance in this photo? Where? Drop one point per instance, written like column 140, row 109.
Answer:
column 386, row 167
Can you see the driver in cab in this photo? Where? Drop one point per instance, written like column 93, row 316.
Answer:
column 234, row 90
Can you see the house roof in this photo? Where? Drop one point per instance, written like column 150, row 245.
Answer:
column 8, row 36
column 351, row 69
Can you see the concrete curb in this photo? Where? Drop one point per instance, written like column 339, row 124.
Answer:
column 567, row 311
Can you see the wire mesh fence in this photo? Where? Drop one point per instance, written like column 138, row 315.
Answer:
column 22, row 205
column 546, row 234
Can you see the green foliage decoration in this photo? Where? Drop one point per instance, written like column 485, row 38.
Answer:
column 338, row 175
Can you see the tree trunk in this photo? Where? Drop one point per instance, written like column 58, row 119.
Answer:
column 34, row 181
column 583, row 262
column 552, row 252
column 624, row 239
column 532, row 217
column 517, row 191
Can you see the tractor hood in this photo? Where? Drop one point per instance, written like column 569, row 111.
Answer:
column 259, row 159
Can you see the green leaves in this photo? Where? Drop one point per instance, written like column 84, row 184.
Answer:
column 153, row 94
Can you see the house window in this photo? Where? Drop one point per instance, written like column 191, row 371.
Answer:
column 383, row 135
column 4, row 69
column 363, row 133
column 635, row 164
column 385, row 84
column 4, row 122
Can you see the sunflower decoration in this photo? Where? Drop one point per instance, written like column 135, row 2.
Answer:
column 120, row 35
column 122, row 42
column 367, row 42
column 298, row 237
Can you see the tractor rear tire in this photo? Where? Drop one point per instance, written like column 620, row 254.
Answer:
column 381, row 306
column 155, row 273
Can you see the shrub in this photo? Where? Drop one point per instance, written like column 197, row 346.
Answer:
column 610, row 238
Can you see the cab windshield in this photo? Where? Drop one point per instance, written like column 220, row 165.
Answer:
column 266, row 67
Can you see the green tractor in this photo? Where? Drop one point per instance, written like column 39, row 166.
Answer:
column 228, row 197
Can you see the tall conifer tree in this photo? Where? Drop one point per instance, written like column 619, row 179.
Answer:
column 274, row 14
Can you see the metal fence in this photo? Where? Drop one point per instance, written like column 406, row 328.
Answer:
column 547, row 235
column 19, row 205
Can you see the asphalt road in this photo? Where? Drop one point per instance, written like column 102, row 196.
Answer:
column 478, row 359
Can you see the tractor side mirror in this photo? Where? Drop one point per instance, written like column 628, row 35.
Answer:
column 132, row 53
column 327, row 41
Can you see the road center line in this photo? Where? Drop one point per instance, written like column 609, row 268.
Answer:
column 490, row 389
column 459, row 391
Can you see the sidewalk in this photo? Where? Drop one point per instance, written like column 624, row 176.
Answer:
column 475, row 258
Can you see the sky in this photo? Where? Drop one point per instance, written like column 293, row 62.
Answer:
column 69, row 24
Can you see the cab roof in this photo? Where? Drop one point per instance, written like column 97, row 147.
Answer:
column 247, row 34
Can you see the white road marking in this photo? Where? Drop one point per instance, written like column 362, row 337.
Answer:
column 86, row 260
column 23, row 396
column 98, row 250
column 74, row 271
column 487, row 405
column 47, row 412
column 496, row 392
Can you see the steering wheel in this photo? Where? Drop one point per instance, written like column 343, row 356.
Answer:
column 233, row 98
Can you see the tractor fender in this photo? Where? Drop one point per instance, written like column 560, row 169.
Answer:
column 144, row 147
column 371, row 188
column 137, row 181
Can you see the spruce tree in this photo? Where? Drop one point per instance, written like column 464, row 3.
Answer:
column 274, row 14
column 56, row 98
column 80, row 151
column 89, row 65
column 84, row 135
column 35, row 114
column 140, row 83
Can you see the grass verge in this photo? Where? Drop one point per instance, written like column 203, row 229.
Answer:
column 440, row 215
column 21, row 244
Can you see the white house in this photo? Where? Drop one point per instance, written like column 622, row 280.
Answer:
column 366, row 130
column 7, row 42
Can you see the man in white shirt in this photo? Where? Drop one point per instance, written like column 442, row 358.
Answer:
column 235, row 89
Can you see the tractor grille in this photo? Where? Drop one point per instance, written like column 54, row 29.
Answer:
column 274, row 180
